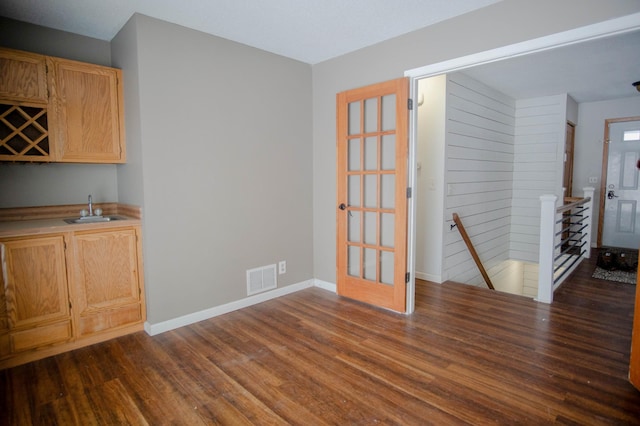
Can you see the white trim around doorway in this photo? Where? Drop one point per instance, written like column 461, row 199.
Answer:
column 578, row 35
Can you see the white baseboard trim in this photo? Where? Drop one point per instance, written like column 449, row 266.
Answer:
column 325, row 285
column 429, row 277
column 161, row 327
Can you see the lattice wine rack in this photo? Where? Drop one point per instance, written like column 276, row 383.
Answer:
column 23, row 132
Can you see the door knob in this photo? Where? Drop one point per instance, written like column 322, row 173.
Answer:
column 611, row 195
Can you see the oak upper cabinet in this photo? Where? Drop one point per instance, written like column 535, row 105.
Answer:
column 58, row 110
column 36, row 297
column 107, row 280
column 24, row 104
column 24, row 76
column 88, row 112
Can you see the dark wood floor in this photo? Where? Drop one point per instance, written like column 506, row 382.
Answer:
column 467, row 356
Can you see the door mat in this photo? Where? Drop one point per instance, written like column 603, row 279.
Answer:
column 616, row 264
column 619, row 276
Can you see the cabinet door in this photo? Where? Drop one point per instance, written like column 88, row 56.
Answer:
column 106, row 280
column 24, row 130
column 89, row 120
column 37, row 299
column 5, row 347
column 23, row 76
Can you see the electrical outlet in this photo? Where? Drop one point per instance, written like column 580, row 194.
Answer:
column 593, row 179
column 282, row 267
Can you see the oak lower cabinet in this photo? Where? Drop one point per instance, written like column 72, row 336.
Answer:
column 106, row 280
column 36, row 294
column 63, row 291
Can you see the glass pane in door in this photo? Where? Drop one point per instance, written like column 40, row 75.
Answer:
column 371, row 191
column 387, row 234
column 388, row 152
column 354, row 154
column 371, row 115
column 354, row 118
column 386, row 267
column 354, row 190
column 371, row 153
column 388, row 113
column 370, row 264
column 370, row 228
column 353, row 222
column 353, row 261
column 388, row 191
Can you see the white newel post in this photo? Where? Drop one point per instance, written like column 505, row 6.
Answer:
column 588, row 193
column 547, row 241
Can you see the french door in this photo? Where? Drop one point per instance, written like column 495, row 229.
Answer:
column 372, row 145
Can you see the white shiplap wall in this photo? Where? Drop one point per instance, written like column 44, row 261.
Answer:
column 480, row 126
column 537, row 169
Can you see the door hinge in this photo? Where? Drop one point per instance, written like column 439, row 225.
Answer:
column 408, row 192
column 410, row 104
column 407, row 278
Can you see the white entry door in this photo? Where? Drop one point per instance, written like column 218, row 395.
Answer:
column 621, row 226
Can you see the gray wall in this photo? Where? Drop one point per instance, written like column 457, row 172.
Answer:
column 124, row 49
column 221, row 144
column 503, row 23
column 47, row 41
column 232, row 150
column 25, row 185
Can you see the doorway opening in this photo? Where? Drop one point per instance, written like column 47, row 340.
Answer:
column 601, row 30
column 619, row 224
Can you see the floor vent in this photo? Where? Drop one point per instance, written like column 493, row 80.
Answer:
column 261, row 279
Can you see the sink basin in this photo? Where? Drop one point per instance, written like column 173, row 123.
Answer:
column 92, row 219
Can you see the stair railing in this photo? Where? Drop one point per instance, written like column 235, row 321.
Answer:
column 565, row 240
column 472, row 250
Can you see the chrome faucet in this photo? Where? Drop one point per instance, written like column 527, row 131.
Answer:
column 90, row 205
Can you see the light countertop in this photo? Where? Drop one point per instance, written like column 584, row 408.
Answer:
column 21, row 228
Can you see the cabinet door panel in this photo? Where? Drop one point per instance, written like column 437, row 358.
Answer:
column 36, row 281
column 38, row 337
column 4, row 321
column 23, row 76
column 5, row 345
column 107, row 286
column 88, row 111
column 109, row 319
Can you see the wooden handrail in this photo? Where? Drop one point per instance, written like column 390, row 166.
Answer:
column 575, row 202
column 472, row 250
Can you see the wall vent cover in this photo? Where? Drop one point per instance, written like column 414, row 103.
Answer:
column 261, row 279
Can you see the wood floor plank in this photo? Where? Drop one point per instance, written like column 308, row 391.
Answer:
column 468, row 355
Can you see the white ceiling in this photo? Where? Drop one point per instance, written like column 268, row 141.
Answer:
column 591, row 71
column 310, row 31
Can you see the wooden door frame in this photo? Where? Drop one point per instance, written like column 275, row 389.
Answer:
column 605, row 167
column 568, row 161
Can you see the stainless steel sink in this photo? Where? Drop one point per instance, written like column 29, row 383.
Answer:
column 92, row 219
